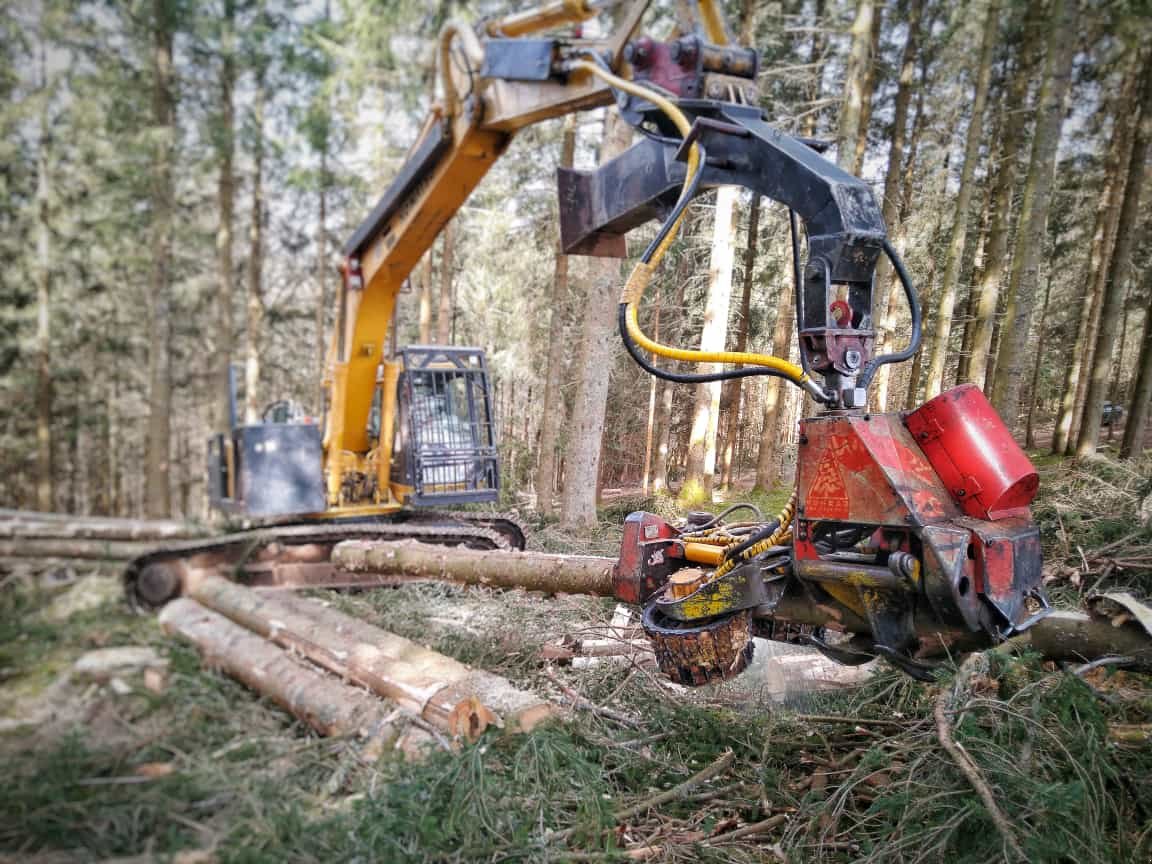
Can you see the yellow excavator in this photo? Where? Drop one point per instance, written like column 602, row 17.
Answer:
column 909, row 533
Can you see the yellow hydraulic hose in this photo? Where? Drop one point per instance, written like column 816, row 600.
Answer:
column 642, row 272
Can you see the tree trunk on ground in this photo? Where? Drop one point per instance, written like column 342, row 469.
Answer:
column 447, row 276
column 598, row 337
column 1003, row 190
column 453, row 697
column 733, row 391
column 1133, row 442
column 1126, row 227
column 553, row 414
column 705, row 416
column 255, row 319
column 947, row 293
column 329, row 706
column 409, row 560
column 1032, row 229
column 225, row 198
column 1092, row 277
column 855, row 81
column 44, row 484
column 886, row 286
column 157, row 463
column 1041, row 343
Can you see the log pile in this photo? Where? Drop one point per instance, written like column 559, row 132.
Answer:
column 30, row 538
column 446, row 695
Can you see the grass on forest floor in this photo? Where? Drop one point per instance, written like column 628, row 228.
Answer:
column 252, row 784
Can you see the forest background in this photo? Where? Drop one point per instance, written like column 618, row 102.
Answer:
column 177, row 178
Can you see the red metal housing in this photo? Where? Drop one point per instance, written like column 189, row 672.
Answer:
column 974, row 453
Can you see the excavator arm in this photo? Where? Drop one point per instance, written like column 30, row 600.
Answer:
column 496, row 80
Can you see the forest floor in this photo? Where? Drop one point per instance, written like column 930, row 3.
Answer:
column 164, row 760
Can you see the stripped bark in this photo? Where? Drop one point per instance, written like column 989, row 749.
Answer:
column 442, row 691
column 329, row 706
column 410, row 560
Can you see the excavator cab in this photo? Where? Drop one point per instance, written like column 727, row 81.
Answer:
column 444, row 449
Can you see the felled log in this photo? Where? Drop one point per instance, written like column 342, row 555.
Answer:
column 328, row 705
column 73, row 549
column 410, row 560
column 31, row 524
column 442, row 691
column 1085, row 636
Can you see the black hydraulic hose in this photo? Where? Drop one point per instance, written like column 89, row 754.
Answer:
column 797, row 284
column 679, row 377
column 727, row 511
column 686, row 198
column 914, row 310
column 763, row 534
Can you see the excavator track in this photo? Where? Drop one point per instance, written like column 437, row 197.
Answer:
column 297, row 556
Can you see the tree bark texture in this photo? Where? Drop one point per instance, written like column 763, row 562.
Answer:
column 553, row 403
column 1032, row 231
column 157, row 460
column 44, row 389
column 886, row 286
column 947, row 293
column 870, row 77
column 674, row 317
column 1134, row 430
column 774, row 389
column 996, row 253
column 411, row 560
column 328, row 705
column 255, row 318
column 733, row 391
column 225, row 203
column 1113, row 296
column 442, row 691
column 1038, row 357
column 447, row 277
column 1095, row 268
column 855, row 78
column 701, row 467
column 598, row 338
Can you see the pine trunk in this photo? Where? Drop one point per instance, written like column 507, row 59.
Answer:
column 668, row 392
column 553, row 407
column 774, row 388
column 157, row 462
column 255, row 318
column 444, row 307
column 1092, row 277
column 733, row 391
column 886, row 286
column 322, row 283
column 705, row 416
column 870, row 77
column 1032, row 230
column 44, row 394
column 1134, row 429
column 1112, row 299
column 947, row 293
column 1037, row 364
column 598, row 337
column 424, row 273
column 653, row 389
column 225, row 198
column 855, row 83
column 996, row 253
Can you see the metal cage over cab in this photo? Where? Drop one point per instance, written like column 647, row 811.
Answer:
column 445, row 446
